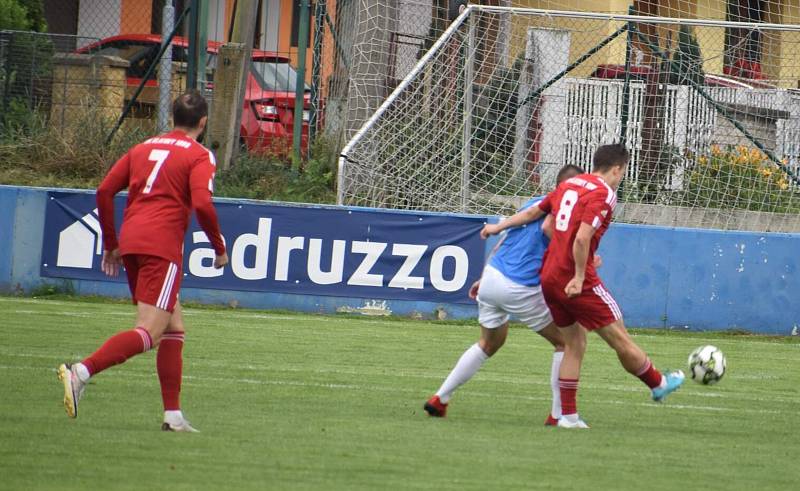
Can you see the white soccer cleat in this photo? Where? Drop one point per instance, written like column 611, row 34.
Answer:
column 180, row 426
column 73, row 388
column 580, row 424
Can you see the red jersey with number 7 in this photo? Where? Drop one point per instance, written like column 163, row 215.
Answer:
column 585, row 198
column 167, row 176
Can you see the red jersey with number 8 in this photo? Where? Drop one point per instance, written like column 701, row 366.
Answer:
column 585, row 198
column 166, row 177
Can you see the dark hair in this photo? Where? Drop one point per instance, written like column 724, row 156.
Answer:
column 562, row 173
column 188, row 109
column 608, row 156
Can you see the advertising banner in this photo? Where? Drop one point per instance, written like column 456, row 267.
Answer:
column 331, row 251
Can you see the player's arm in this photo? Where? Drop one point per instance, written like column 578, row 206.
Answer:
column 580, row 252
column 595, row 211
column 115, row 181
column 524, row 217
column 202, row 188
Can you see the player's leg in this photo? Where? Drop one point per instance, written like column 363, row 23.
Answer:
column 603, row 315
column 155, row 282
column 494, row 329
column 491, row 340
column 636, row 361
column 573, row 338
column 169, row 364
column 569, row 375
column 553, row 334
column 528, row 304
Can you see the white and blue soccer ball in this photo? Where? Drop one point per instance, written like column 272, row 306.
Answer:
column 707, row 365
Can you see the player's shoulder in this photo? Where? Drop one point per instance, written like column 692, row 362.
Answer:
column 198, row 151
column 590, row 183
column 182, row 145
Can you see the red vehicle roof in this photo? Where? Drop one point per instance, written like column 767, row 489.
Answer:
column 213, row 46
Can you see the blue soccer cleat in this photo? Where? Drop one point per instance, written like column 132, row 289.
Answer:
column 673, row 381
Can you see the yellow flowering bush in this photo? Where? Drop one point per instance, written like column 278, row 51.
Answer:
column 738, row 177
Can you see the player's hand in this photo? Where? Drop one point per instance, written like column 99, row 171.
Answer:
column 221, row 260
column 574, row 287
column 473, row 290
column 490, row 229
column 598, row 261
column 111, row 263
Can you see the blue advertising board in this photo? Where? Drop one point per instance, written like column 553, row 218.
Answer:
column 292, row 249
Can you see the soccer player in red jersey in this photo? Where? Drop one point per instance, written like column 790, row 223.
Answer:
column 167, row 177
column 582, row 208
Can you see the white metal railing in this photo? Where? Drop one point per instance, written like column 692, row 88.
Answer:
column 594, row 113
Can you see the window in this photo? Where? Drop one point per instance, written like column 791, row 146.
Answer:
column 743, row 46
column 275, row 75
column 295, row 35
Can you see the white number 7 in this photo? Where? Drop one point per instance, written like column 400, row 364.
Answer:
column 157, row 156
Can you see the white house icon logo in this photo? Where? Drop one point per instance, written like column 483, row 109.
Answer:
column 80, row 242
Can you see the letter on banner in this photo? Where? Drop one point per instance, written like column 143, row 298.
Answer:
column 315, row 273
column 285, row 247
column 207, row 254
column 413, row 253
column 437, row 267
column 362, row 275
column 260, row 240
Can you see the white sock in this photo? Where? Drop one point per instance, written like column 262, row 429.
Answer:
column 467, row 366
column 555, row 410
column 173, row 417
column 572, row 418
column 82, row 371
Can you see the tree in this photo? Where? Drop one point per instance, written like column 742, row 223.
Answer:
column 15, row 16
column 687, row 62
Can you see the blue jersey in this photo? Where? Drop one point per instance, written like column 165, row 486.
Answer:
column 520, row 254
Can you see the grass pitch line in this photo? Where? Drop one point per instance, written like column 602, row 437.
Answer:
column 519, row 381
column 202, row 380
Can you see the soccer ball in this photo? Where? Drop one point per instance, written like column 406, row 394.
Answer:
column 707, row 365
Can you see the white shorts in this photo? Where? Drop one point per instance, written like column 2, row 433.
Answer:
column 498, row 297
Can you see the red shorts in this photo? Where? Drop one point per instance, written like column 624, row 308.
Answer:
column 153, row 280
column 593, row 308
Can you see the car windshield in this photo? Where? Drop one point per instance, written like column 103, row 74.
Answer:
column 275, row 75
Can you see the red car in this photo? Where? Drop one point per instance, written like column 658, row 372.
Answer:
column 268, row 110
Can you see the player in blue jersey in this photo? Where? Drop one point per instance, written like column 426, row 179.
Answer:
column 510, row 285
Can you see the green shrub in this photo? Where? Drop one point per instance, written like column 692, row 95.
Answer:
column 270, row 177
column 739, row 178
column 75, row 155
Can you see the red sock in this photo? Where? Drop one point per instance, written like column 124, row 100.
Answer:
column 569, row 395
column 649, row 375
column 117, row 349
column 169, row 363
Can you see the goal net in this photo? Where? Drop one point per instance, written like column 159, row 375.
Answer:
column 505, row 97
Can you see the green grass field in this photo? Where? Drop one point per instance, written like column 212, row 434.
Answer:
column 288, row 401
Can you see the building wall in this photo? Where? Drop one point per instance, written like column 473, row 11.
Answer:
column 781, row 50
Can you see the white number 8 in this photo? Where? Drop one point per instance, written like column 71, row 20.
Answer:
column 568, row 202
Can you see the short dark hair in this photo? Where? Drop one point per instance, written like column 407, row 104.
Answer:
column 188, row 109
column 608, row 156
column 564, row 172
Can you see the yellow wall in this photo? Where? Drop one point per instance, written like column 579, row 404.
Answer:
column 781, row 55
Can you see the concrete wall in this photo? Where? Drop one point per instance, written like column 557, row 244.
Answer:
column 661, row 277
